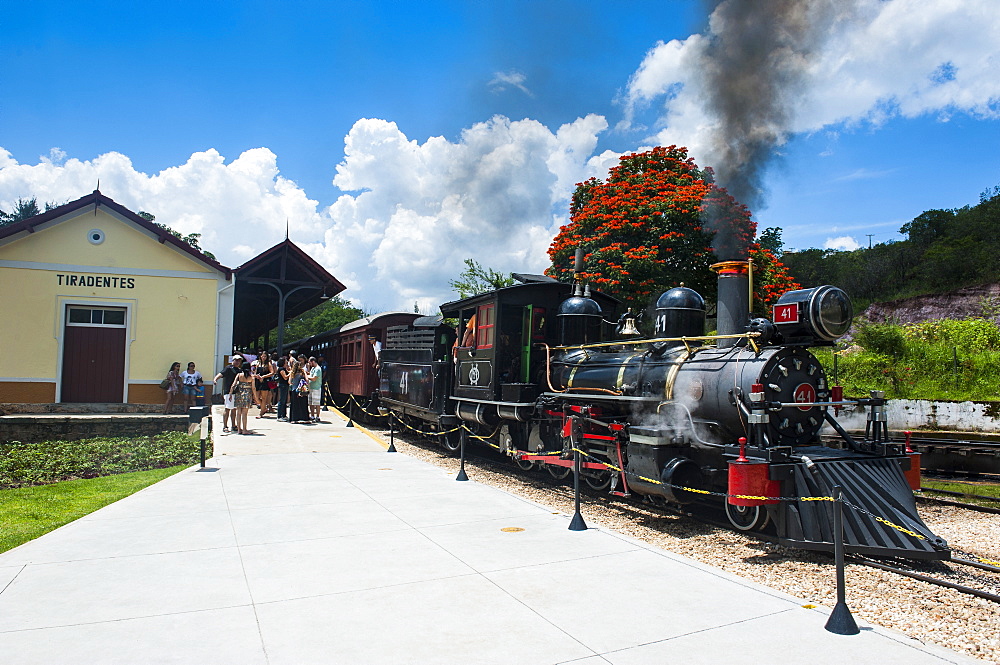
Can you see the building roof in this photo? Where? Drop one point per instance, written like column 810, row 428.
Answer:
column 368, row 320
column 95, row 198
column 283, row 271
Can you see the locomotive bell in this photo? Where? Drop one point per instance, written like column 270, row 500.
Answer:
column 680, row 312
column 579, row 321
column 628, row 327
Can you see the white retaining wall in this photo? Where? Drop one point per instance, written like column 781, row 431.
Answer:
column 914, row 414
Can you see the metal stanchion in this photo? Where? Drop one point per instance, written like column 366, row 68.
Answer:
column 577, row 523
column 198, row 414
column 841, row 621
column 461, row 456
column 350, row 414
column 392, row 436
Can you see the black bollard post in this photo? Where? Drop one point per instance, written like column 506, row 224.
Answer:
column 199, row 414
column 461, row 456
column 392, row 437
column 577, row 523
column 841, row 621
column 350, row 414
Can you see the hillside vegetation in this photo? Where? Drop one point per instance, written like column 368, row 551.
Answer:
column 944, row 250
column 931, row 304
column 940, row 359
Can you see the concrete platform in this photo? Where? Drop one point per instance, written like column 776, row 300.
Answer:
column 311, row 544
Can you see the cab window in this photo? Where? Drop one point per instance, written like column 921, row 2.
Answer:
column 485, row 327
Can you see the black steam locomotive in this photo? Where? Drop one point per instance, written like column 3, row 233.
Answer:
column 679, row 417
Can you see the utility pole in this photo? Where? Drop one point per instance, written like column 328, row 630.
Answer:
column 869, row 239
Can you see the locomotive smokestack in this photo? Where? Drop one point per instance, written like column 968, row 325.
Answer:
column 734, row 300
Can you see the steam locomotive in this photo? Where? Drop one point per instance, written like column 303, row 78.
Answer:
column 545, row 371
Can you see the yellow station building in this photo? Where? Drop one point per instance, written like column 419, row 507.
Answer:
column 96, row 303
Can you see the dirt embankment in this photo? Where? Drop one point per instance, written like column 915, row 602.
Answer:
column 973, row 301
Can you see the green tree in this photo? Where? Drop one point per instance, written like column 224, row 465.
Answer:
column 770, row 239
column 333, row 313
column 928, row 226
column 193, row 239
column 476, row 279
column 23, row 209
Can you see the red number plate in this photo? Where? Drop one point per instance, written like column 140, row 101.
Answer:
column 806, row 394
column 786, row 313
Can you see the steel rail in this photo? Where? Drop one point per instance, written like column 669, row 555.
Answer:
column 993, row 499
column 976, row 564
column 958, row 504
column 930, row 580
column 989, row 444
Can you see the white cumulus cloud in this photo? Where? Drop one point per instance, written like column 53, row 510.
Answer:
column 410, row 213
column 843, row 243
column 414, row 211
column 242, row 203
column 876, row 60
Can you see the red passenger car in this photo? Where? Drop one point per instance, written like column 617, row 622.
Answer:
column 350, row 356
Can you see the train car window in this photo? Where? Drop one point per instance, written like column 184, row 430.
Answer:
column 349, row 350
column 485, row 327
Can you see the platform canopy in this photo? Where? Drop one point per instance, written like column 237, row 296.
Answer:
column 277, row 285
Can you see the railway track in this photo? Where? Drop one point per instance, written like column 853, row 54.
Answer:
column 956, row 452
column 987, row 586
column 963, row 454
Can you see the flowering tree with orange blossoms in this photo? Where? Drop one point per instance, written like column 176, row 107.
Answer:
column 652, row 225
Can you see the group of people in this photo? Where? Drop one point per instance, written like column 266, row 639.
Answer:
column 297, row 380
column 189, row 384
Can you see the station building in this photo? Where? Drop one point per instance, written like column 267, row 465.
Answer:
column 97, row 303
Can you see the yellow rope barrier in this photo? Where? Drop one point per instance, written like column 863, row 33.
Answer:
column 694, row 490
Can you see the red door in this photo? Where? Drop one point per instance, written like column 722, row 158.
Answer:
column 93, row 363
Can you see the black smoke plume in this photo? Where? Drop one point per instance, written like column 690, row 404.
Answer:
column 754, row 67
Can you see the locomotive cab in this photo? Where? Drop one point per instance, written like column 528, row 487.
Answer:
column 500, row 357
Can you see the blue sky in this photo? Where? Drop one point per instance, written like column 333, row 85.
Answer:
column 458, row 129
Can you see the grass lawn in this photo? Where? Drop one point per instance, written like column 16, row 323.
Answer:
column 29, row 512
column 983, row 489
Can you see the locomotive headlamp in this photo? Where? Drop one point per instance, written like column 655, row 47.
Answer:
column 816, row 315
